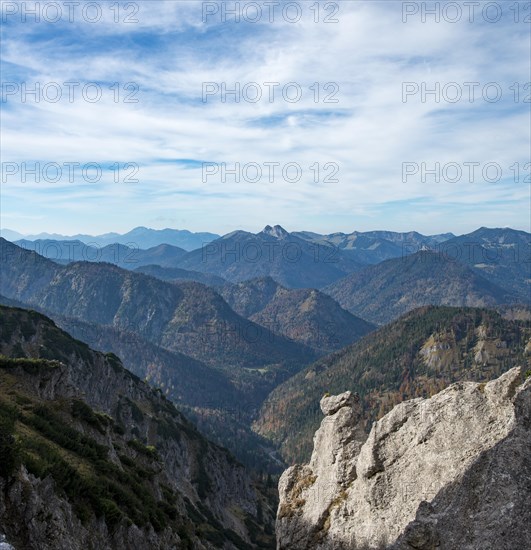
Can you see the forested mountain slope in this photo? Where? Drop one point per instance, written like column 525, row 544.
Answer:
column 92, row 457
column 417, row 355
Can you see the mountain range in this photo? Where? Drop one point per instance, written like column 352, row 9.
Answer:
column 299, row 259
column 181, row 336
column 288, row 259
column 370, row 247
column 503, row 256
column 187, row 317
column 126, row 256
column 140, row 237
column 217, row 329
column 229, row 350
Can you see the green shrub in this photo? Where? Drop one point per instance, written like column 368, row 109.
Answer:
column 147, row 450
column 110, row 511
column 97, row 420
column 54, row 428
column 30, row 366
column 119, row 429
column 114, row 362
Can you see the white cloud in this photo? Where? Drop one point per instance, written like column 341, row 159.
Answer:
column 370, row 53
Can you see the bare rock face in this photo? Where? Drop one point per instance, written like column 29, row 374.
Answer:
column 450, row 472
column 331, row 404
column 314, row 488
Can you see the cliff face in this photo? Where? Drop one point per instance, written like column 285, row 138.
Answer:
column 452, row 471
column 92, row 458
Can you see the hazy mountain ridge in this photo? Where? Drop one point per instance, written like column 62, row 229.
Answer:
column 501, row 255
column 382, row 292
column 129, row 469
column 303, row 259
column 159, row 261
column 371, row 247
column 187, row 317
column 143, row 237
column 273, row 252
column 128, row 256
column 177, row 274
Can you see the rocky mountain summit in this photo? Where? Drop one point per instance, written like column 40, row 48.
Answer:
column 452, row 471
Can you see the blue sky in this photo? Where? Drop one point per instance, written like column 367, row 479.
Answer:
column 360, row 138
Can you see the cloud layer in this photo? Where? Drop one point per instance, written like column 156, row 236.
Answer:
column 338, row 151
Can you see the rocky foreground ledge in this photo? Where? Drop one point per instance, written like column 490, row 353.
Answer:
column 452, row 472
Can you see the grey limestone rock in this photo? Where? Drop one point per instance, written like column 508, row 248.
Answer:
column 450, row 472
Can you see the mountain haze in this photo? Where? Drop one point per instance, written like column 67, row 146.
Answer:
column 127, row 256
column 502, row 256
column 382, row 292
column 291, row 261
column 142, row 237
column 178, row 274
column 371, row 247
column 187, row 317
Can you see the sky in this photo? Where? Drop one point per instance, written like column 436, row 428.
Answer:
column 343, row 116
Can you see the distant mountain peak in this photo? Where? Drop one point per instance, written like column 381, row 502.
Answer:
column 140, row 228
column 277, row 231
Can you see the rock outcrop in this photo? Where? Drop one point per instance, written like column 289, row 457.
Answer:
column 450, row 472
column 4, row 545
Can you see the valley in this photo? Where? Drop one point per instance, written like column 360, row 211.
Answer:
column 237, row 351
